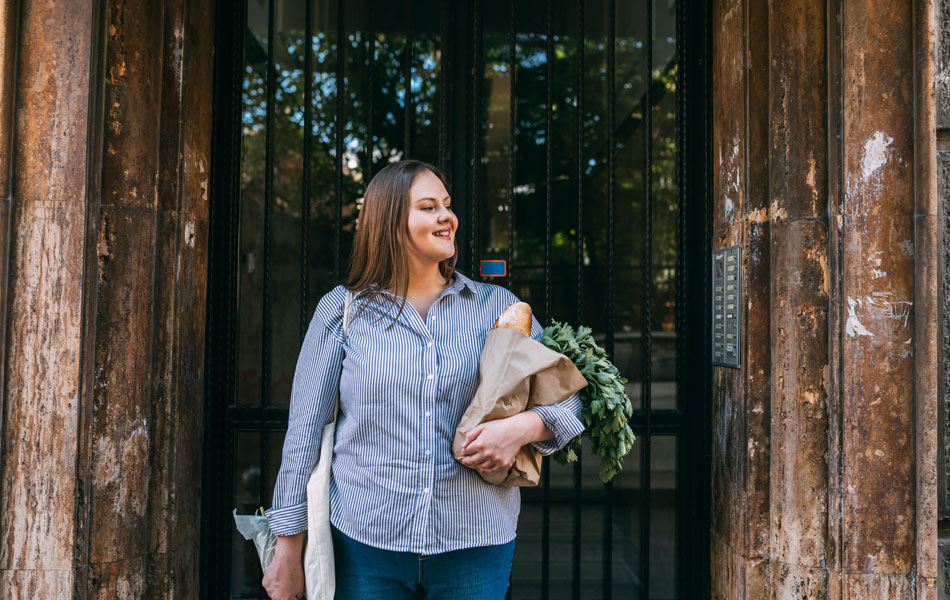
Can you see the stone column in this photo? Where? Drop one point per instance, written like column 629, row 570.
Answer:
column 44, row 356
column 926, row 330
column 102, row 412
column 798, row 210
column 873, row 527
column 942, row 172
column 741, row 398
column 845, row 301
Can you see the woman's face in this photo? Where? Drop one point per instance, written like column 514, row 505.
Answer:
column 430, row 212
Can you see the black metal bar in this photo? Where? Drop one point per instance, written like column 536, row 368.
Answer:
column 548, row 156
column 268, row 201
column 705, row 242
column 407, row 73
column 595, row 497
column 512, row 140
column 611, row 278
column 270, row 85
column 225, row 441
column 578, row 466
column 458, row 46
column 307, row 127
column 370, row 94
column 476, row 133
column 444, row 51
column 681, row 523
column 215, row 549
column 274, row 416
column 548, row 159
column 646, row 316
column 340, row 90
column 220, row 494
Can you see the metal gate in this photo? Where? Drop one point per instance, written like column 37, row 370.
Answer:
column 573, row 135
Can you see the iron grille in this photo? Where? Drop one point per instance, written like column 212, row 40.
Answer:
column 589, row 113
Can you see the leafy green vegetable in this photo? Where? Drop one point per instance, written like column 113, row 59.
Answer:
column 606, row 407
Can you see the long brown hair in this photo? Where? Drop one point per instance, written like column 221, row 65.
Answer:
column 380, row 260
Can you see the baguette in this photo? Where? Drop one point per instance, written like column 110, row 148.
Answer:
column 516, row 316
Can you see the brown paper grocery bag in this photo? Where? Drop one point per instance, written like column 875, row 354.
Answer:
column 515, row 373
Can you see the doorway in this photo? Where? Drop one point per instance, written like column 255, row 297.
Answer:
column 573, row 137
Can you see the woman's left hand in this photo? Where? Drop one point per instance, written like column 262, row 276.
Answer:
column 493, row 446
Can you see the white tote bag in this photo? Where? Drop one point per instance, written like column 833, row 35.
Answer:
column 318, row 566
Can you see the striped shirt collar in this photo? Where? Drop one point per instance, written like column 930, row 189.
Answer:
column 461, row 283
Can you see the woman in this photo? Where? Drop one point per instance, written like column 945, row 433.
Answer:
column 408, row 520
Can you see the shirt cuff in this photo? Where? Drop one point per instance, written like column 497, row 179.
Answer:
column 561, row 419
column 288, row 520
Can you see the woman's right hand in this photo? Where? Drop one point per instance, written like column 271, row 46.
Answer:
column 284, row 578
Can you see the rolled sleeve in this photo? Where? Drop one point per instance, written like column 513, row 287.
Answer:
column 313, row 396
column 563, row 420
column 288, row 520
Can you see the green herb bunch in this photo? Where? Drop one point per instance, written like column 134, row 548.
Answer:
column 606, row 407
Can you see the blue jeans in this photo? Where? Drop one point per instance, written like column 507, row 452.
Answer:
column 367, row 573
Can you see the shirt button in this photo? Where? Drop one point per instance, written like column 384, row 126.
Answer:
column 431, row 375
column 428, row 452
column 433, row 318
column 429, row 344
column 425, row 490
column 428, row 413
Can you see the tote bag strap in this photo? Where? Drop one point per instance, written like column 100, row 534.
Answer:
column 346, row 312
column 346, row 329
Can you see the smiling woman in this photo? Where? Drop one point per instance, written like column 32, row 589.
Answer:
column 396, row 247
column 396, row 493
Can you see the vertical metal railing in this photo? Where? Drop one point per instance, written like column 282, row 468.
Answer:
column 216, row 458
column 407, row 74
column 607, row 577
column 683, row 441
column 579, row 241
column 512, row 157
column 548, row 231
column 271, row 84
column 443, row 91
column 476, row 114
column 229, row 388
column 512, row 141
column 645, row 479
column 370, row 94
column 305, row 195
column 340, row 90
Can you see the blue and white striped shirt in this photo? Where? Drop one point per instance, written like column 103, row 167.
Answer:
column 395, row 484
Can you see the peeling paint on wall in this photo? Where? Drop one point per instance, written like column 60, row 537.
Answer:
column 876, row 151
column 854, row 326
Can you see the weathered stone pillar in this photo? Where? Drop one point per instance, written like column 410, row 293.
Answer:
column 926, row 299
column 100, row 459
column 44, row 355
column 741, row 398
column 873, row 526
column 798, row 210
column 942, row 102
column 849, row 317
